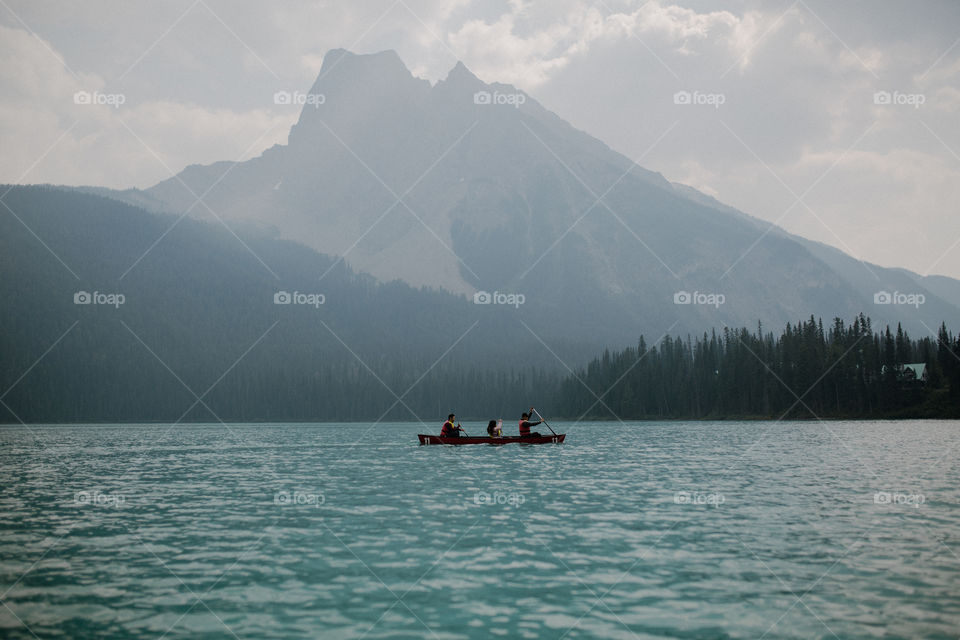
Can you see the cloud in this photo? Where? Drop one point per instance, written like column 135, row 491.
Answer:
column 495, row 52
column 915, row 186
column 66, row 142
column 508, row 49
column 825, row 50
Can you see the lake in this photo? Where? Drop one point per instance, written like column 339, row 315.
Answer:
column 636, row 530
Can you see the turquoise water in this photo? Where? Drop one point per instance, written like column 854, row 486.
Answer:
column 646, row 530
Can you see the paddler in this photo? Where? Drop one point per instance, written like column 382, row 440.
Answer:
column 525, row 425
column 450, row 429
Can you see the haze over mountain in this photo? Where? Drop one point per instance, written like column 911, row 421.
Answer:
column 469, row 186
column 140, row 328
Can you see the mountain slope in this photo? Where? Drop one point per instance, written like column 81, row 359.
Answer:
column 431, row 185
column 198, row 314
column 940, row 294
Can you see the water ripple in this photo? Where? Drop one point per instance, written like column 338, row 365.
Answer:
column 648, row 530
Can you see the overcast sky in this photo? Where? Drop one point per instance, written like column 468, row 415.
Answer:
column 789, row 128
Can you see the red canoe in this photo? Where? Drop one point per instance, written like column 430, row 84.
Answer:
column 551, row 439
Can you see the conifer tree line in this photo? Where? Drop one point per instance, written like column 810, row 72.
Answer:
column 846, row 370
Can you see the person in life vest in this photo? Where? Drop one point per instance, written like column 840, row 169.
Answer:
column 525, row 425
column 450, row 429
column 494, row 429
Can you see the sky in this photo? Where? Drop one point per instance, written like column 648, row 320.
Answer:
column 837, row 121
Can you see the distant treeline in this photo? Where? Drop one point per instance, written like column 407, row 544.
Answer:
column 848, row 371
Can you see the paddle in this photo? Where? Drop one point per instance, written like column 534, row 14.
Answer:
column 543, row 421
column 462, row 429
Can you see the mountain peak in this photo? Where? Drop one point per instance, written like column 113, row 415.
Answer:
column 358, row 90
column 343, row 68
column 460, row 80
column 334, row 57
column 460, row 71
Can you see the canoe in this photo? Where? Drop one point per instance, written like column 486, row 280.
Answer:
column 541, row 439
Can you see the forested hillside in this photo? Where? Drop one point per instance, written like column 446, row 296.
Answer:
column 198, row 319
column 180, row 322
column 805, row 372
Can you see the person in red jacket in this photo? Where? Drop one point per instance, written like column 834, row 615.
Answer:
column 525, row 425
column 450, row 429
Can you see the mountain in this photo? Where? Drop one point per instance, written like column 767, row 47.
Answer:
column 468, row 186
column 112, row 313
